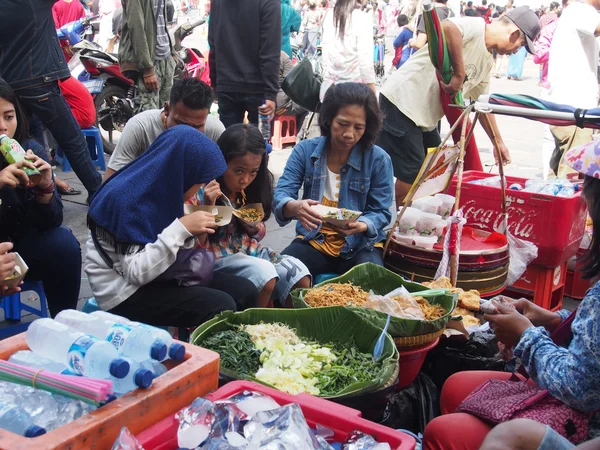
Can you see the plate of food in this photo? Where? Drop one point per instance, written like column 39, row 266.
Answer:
column 18, row 274
column 338, row 217
column 250, row 214
column 222, row 216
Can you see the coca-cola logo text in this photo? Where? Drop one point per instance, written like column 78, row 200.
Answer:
column 520, row 221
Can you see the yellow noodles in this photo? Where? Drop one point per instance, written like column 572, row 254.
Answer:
column 336, row 294
column 432, row 312
column 250, row 214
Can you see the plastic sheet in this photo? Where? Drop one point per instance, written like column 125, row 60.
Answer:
column 479, row 352
column 521, row 254
column 413, row 407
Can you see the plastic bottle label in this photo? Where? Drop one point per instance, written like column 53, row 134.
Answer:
column 77, row 353
column 117, row 335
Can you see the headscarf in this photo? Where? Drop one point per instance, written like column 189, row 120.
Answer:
column 143, row 198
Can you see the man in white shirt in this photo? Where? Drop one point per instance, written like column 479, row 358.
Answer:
column 411, row 97
column 189, row 104
column 573, row 72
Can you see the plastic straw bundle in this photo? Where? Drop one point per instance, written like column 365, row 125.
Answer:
column 89, row 390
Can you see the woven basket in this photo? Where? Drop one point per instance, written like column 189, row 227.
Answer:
column 416, row 341
column 392, row 380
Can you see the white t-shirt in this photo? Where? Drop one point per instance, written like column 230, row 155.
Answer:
column 350, row 59
column 143, row 129
column 572, row 67
column 414, row 88
column 331, row 190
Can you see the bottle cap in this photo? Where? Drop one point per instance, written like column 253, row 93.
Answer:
column 119, row 368
column 143, row 378
column 176, row 351
column 158, row 351
column 34, row 431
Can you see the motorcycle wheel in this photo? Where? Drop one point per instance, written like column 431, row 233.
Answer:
column 111, row 115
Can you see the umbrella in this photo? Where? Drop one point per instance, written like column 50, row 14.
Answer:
column 438, row 50
column 540, row 110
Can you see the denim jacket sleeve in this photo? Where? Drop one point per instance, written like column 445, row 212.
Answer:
column 291, row 180
column 377, row 213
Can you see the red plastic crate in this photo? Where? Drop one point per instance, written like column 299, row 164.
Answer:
column 341, row 419
column 554, row 224
column 545, row 286
column 575, row 286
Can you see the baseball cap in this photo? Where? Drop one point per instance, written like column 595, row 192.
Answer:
column 585, row 159
column 528, row 22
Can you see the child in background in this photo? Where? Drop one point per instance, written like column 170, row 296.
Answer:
column 237, row 245
column 403, row 50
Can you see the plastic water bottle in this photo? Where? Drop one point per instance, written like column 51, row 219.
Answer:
column 81, row 353
column 29, row 359
column 176, row 351
column 550, row 189
column 264, row 125
column 157, row 368
column 16, row 420
column 566, row 191
column 138, row 377
column 134, row 342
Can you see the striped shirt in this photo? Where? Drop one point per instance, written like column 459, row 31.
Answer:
column 163, row 44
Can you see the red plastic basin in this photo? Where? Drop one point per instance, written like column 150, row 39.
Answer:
column 411, row 362
column 341, row 419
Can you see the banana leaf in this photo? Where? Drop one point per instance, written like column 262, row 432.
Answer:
column 332, row 324
column 380, row 280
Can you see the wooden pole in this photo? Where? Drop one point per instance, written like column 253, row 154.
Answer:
column 462, row 119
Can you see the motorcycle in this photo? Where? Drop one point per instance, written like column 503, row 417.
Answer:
column 190, row 62
column 115, row 95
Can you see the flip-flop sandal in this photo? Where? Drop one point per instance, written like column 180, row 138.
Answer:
column 70, row 191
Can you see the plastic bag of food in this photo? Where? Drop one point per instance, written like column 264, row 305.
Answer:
column 398, row 303
column 521, row 254
column 195, row 423
column 248, row 403
column 361, row 441
column 126, row 441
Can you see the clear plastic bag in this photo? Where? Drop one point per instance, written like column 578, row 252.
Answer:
column 398, row 303
column 126, row 441
column 521, row 254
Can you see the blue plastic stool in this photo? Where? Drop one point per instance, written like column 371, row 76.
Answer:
column 95, row 146
column 325, row 276
column 13, row 307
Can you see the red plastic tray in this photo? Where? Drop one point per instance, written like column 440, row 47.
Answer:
column 341, row 419
column 554, row 224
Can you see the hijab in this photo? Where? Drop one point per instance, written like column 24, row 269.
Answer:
column 143, row 198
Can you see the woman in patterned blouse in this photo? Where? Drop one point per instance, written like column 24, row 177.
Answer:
column 570, row 374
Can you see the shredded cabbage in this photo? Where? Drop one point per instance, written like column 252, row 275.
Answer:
column 288, row 363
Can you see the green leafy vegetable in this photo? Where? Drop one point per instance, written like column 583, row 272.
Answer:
column 237, row 351
column 350, row 366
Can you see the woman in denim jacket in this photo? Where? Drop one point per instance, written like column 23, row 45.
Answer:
column 344, row 169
